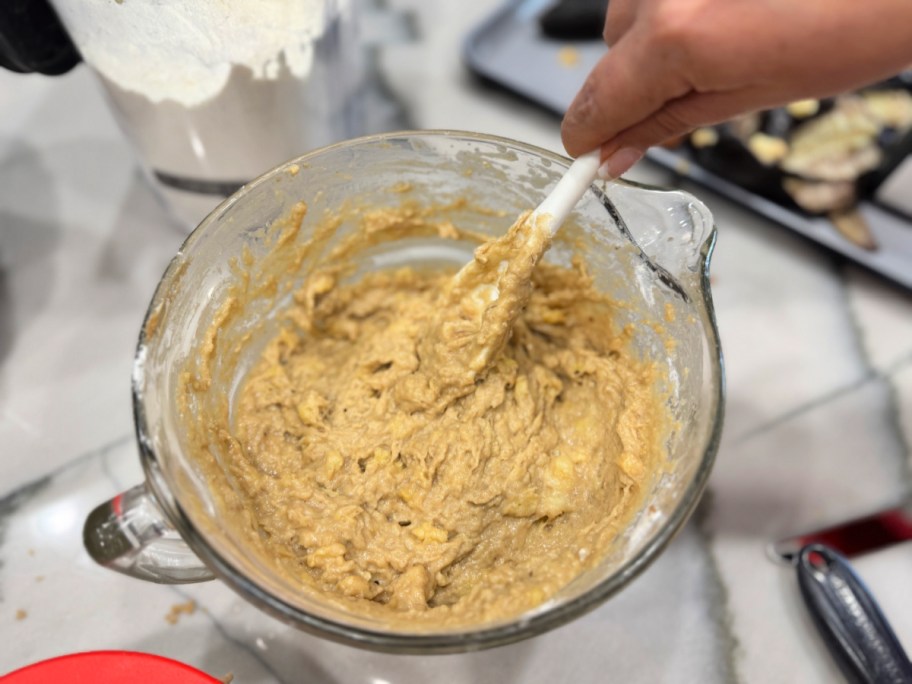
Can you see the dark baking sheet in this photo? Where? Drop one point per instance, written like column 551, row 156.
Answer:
column 509, row 49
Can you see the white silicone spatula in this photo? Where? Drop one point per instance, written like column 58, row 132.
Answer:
column 498, row 290
column 547, row 216
column 556, row 207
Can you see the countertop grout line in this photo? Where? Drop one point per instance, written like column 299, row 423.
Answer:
column 20, row 496
column 833, row 268
column 871, row 375
column 805, row 407
column 221, row 629
column 81, row 458
column 720, row 612
column 106, row 469
column 895, row 423
column 892, row 395
column 11, row 503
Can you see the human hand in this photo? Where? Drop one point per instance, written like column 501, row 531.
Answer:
column 675, row 65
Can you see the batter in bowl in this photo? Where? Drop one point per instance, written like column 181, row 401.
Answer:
column 447, row 450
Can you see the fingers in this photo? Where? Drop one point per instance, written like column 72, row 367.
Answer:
column 683, row 115
column 618, row 20
column 676, row 118
column 629, row 84
column 619, row 163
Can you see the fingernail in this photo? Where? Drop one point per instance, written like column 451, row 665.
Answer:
column 619, row 163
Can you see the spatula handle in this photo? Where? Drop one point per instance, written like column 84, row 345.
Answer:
column 556, row 207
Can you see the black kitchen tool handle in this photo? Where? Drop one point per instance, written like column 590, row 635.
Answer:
column 849, row 619
column 574, row 19
column 32, row 39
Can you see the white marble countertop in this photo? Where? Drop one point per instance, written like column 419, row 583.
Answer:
column 818, row 426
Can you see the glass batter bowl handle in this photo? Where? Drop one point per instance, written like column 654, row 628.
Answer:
column 131, row 534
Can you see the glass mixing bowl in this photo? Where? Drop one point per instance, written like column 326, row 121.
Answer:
column 645, row 247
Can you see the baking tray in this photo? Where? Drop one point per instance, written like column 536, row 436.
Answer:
column 508, row 49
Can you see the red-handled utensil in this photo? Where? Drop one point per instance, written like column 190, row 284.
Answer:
column 852, row 537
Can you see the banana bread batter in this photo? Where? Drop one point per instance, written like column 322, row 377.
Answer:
column 447, row 450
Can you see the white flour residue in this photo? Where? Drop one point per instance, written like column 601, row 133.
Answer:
column 184, row 51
